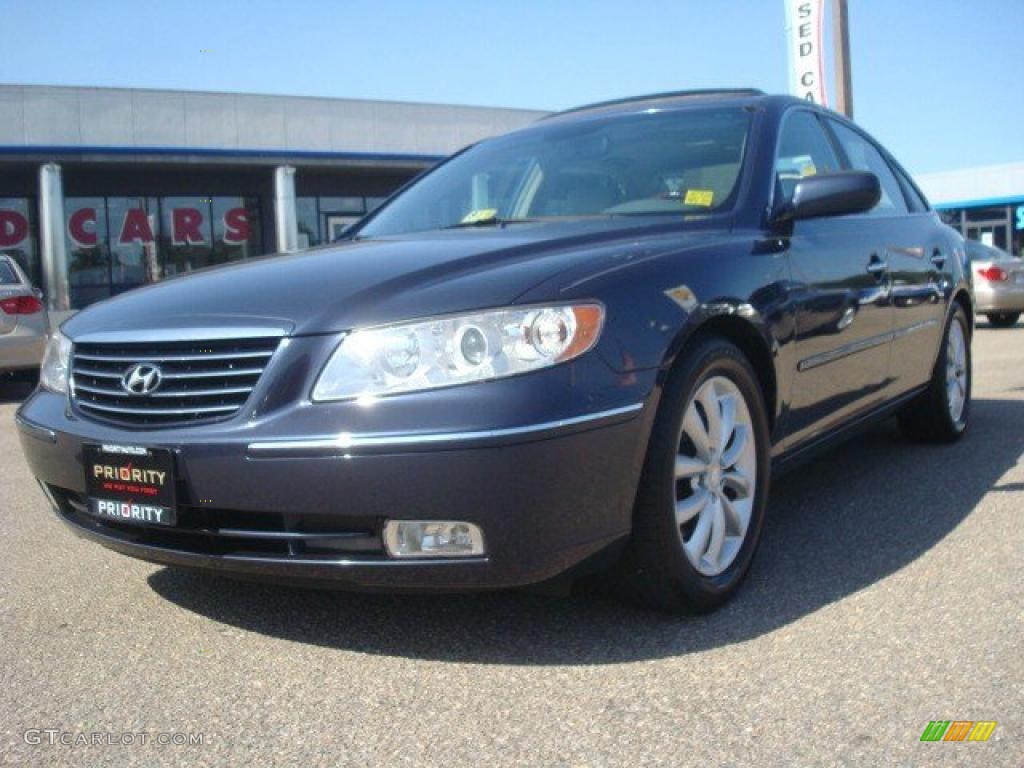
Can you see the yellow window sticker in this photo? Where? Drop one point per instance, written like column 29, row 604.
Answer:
column 809, row 170
column 480, row 214
column 701, row 197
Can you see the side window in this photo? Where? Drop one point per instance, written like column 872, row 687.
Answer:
column 914, row 198
column 804, row 150
column 864, row 157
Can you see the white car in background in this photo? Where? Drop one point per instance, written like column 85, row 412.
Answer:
column 998, row 284
column 24, row 322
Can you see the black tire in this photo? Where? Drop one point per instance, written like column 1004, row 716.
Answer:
column 1003, row 319
column 654, row 568
column 927, row 418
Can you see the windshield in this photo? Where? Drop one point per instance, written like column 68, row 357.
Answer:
column 665, row 163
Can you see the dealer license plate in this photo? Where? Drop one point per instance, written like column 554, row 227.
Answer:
column 130, row 484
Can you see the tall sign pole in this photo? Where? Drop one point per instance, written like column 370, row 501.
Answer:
column 841, row 58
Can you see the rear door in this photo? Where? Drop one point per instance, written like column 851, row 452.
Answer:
column 841, row 294
column 917, row 254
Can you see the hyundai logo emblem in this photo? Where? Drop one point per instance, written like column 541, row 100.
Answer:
column 141, row 379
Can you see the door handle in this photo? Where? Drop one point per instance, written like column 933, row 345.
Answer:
column 878, row 267
column 938, row 259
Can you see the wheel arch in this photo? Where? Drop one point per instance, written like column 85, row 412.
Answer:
column 751, row 341
column 962, row 298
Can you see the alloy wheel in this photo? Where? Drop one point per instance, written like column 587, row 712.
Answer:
column 715, row 475
column 956, row 371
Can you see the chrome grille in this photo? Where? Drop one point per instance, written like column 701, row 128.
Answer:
column 198, row 380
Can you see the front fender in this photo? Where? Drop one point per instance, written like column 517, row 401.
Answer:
column 656, row 303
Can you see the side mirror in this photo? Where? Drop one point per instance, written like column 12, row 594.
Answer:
column 831, row 194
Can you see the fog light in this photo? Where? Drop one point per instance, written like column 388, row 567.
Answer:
column 433, row 538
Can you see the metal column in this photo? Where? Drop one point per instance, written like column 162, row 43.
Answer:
column 285, row 220
column 51, row 237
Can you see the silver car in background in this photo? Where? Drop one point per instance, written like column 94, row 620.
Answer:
column 24, row 322
column 998, row 284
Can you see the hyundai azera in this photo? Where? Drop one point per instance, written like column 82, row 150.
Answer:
column 585, row 345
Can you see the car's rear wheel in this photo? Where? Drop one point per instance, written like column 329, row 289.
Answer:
column 1003, row 319
column 701, row 505
column 940, row 414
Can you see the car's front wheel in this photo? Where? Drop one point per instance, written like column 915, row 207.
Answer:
column 1003, row 319
column 701, row 505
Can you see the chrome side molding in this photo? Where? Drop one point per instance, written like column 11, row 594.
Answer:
column 832, row 355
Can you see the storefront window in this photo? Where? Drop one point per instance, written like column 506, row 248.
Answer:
column 988, row 213
column 1018, row 230
column 236, row 228
column 338, row 213
column 308, row 221
column 323, row 219
column 18, row 235
column 115, row 244
column 85, row 235
column 185, row 234
column 350, row 205
column 133, row 228
column 197, row 232
column 988, row 234
column 997, row 226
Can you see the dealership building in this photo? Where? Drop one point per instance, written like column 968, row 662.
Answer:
column 985, row 204
column 103, row 189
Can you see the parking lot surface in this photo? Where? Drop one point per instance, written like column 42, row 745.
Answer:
column 888, row 592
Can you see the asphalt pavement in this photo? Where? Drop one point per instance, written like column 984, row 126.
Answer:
column 888, row 592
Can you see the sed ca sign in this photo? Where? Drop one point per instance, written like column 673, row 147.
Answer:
column 804, row 42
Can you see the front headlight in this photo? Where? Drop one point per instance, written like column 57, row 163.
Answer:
column 53, row 374
column 459, row 349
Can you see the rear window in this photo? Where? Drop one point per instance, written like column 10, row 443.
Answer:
column 7, row 274
column 864, row 156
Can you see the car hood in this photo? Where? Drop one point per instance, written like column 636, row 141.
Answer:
column 341, row 286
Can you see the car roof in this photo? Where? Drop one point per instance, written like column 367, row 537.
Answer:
column 670, row 100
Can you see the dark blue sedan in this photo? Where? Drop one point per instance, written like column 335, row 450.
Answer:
column 586, row 345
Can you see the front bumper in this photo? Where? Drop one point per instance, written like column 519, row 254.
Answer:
column 262, row 499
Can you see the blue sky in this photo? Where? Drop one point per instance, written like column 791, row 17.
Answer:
column 937, row 81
